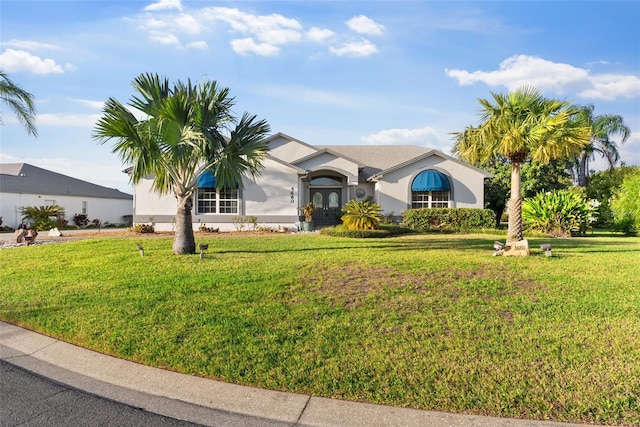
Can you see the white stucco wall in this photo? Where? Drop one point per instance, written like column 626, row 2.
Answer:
column 269, row 199
column 106, row 210
column 327, row 161
column 288, row 150
column 393, row 191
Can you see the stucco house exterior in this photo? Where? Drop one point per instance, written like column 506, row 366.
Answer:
column 395, row 177
column 22, row 184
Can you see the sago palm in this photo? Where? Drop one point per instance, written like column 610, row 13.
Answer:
column 519, row 126
column 363, row 215
column 188, row 129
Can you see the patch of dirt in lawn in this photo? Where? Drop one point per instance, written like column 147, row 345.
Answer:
column 351, row 285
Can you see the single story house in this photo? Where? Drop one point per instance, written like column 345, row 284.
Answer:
column 22, row 184
column 395, row 177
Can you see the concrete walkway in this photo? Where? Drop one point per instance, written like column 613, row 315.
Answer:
column 201, row 401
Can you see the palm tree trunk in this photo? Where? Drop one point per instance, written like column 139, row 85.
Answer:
column 184, row 241
column 582, row 169
column 514, row 233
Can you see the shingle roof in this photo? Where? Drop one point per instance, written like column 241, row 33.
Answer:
column 29, row 179
column 378, row 158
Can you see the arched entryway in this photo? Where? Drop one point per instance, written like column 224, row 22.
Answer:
column 325, row 192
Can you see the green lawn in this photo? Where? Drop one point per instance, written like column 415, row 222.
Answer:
column 428, row 321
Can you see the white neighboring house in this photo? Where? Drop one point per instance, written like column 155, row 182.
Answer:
column 22, row 184
column 395, row 177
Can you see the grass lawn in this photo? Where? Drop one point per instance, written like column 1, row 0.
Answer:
column 422, row 321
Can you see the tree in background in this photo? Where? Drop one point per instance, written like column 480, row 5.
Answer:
column 603, row 128
column 626, row 204
column 536, row 177
column 188, row 130
column 602, row 186
column 519, row 126
column 20, row 102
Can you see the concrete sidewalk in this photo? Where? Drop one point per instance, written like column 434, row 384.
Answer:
column 194, row 399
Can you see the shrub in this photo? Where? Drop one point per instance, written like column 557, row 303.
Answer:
column 448, row 219
column 144, row 228
column 363, row 215
column 626, row 205
column 239, row 222
column 81, row 220
column 43, row 217
column 558, row 213
column 383, row 231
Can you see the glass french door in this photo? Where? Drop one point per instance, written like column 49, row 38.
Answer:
column 328, row 202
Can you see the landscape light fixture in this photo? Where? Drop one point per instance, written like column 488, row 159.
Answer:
column 499, row 248
column 203, row 247
column 140, row 248
column 546, row 248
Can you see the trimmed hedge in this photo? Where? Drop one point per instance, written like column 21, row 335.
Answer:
column 382, row 231
column 446, row 219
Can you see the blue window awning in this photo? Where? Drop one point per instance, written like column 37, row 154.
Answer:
column 431, row 180
column 207, row 180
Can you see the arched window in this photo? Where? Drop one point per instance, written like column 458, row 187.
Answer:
column 430, row 189
column 325, row 181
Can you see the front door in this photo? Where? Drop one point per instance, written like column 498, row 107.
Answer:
column 328, row 203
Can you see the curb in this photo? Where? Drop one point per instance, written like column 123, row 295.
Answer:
column 208, row 402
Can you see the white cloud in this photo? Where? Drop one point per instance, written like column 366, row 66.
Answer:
column 164, row 38
column 523, row 70
column 612, row 86
column 319, row 34
column 248, row 45
column 360, row 48
column 95, row 105
column 273, row 29
column 30, row 45
column 425, row 136
column 164, row 5
column 364, row 25
column 67, row 120
column 12, row 60
column 197, row 45
column 188, row 24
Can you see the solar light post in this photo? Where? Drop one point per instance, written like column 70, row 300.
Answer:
column 546, row 248
column 140, row 248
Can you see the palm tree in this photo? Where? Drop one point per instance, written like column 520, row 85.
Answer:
column 603, row 128
column 42, row 217
column 519, row 126
column 20, row 101
column 188, row 129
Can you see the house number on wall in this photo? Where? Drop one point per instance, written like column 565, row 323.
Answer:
column 293, row 199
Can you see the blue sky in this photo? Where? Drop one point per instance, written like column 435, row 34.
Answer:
column 324, row 72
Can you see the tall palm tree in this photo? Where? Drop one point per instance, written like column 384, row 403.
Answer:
column 603, row 128
column 20, row 102
column 188, row 129
column 519, row 126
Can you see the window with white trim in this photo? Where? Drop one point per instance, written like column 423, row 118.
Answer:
column 217, row 201
column 430, row 199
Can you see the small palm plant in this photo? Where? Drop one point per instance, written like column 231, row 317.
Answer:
column 363, row 215
column 43, row 217
column 308, row 210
